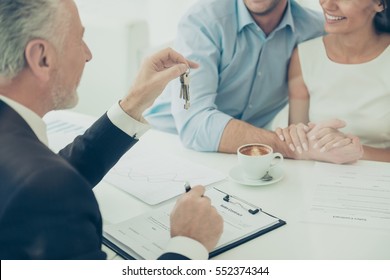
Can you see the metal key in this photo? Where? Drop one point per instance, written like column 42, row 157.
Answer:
column 185, row 88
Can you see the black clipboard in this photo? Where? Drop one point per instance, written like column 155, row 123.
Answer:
column 227, row 198
column 253, row 210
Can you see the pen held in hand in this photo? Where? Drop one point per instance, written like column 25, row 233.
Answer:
column 187, row 187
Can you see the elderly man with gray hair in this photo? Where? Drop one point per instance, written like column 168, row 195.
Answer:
column 47, row 206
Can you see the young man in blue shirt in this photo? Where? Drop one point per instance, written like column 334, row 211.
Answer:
column 243, row 48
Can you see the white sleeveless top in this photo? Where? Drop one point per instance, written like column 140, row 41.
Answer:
column 359, row 94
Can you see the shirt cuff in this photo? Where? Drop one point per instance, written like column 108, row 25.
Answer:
column 187, row 247
column 126, row 123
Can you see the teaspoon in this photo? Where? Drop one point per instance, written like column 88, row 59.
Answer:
column 266, row 177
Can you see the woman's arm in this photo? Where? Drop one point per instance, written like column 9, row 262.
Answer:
column 295, row 133
column 376, row 154
column 299, row 98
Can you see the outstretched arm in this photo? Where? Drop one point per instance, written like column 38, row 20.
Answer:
column 94, row 158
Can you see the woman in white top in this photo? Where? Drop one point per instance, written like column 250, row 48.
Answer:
column 343, row 75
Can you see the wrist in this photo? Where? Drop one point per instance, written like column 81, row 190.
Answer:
column 133, row 106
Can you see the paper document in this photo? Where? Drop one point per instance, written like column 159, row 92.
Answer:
column 356, row 195
column 156, row 177
column 64, row 126
column 149, row 176
column 146, row 236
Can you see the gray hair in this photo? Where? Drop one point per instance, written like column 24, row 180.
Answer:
column 22, row 21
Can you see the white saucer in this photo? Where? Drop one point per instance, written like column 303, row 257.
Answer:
column 236, row 175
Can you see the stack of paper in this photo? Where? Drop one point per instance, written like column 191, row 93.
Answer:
column 354, row 195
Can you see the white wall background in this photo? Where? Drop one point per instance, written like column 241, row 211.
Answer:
column 119, row 33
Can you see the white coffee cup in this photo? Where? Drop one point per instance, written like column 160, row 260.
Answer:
column 256, row 159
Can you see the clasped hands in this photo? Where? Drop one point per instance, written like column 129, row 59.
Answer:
column 322, row 141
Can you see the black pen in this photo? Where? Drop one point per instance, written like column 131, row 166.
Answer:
column 187, row 187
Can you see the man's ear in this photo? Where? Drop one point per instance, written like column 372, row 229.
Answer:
column 379, row 6
column 40, row 58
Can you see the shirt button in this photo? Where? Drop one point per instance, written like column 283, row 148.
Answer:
column 259, row 73
column 250, row 106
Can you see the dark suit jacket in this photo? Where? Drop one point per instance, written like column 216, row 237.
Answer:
column 47, row 207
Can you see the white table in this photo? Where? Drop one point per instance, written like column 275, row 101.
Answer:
column 285, row 199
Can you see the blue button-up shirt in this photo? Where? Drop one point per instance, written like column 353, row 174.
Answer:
column 242, row 74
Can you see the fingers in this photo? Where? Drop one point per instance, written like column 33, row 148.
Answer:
column 333, row 123
column 197, row 191
column 358, row 145
column 349, row 153
column 323, row 132
column 288, row 139
column 173, row 72
column 169, row 57
column 300, row 139
column 193, row 216
column 193, row 64
column 279, row 133
column 167, row 65
column 331, row 141
column 153, row 76
column 341, row 143
column 295, row 137
column 323, row 136
column 315, row 129
column 355, row 150
column 311, row 125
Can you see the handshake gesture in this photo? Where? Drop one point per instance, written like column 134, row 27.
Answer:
column 321, row 141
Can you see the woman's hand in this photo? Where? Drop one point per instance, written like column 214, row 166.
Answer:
column 295, row 136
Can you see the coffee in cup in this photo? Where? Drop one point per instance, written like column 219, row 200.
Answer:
column 256, row 159
column 255, row 150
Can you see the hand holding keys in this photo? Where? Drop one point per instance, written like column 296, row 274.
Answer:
column 184, row 89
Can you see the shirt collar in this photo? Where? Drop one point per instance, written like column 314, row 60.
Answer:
column 35, row 122
column 245, row 18
column 288, row 19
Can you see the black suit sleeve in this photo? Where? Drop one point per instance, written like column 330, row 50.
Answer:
column 54, row 216
column 95, row 152
column 172, row 256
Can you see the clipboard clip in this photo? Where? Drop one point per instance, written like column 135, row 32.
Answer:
column 236, row 201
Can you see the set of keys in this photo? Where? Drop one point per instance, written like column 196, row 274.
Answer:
column 185, row 88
